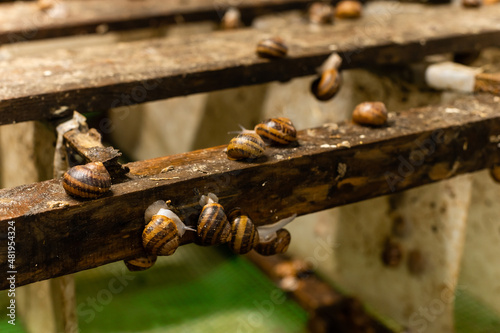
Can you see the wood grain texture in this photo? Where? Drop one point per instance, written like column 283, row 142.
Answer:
column 25, row 21
column 96, row 79
column 331, row 166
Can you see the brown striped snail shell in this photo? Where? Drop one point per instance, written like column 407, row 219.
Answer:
column 246, row 145
column 348, row 9
column 277, row 131
column 213, row 226
column 273, row 239
column 244, row 235
column 88, row 181
column 321, row 13
column 277, row 245
column 272, row 48
column 327, row 85
column 140, row 263
column 370, row 113
column 163, row 232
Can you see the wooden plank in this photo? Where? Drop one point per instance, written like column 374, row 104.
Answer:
column 24, row 21
column 95, row 79
column 330, row 167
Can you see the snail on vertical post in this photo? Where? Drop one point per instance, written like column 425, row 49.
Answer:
column 163, row 231
column 327, row 85
column 213, row 227
column 273, row 239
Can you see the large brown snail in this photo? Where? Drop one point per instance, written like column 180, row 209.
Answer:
column 163, row 231
column 246, row 145
column 213, row 227
column 88, row 181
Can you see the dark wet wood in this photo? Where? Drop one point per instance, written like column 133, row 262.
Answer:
column 25, row 21
column 95, row 79
column 331, row 166
column 328, row 309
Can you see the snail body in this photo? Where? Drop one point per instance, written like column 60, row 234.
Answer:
column 277, row 131
column 213, row 227
column 88, row 181
column 244, row 235
column 163, row 232
column 327, row 85
column 348, row 9
column 140, row 263
column 246, row 145
column 273, row 239
column 370, row 113
column 272, row 48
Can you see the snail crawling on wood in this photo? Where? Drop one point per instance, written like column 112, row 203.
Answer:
column 140, row 263
column 273, row 47
column 213, row 227
column 163, row 231
column 88, row 181
column 246, row 145
column 277, row 131
column 370, row 113
column 348, row 9
column 273, row 239
column 327, row 85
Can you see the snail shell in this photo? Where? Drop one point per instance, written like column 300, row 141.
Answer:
column 244, row 235
column 278, row 131
column 140, row 263
column 213, row 226
column 163, row 233
column 272, row 48
column 276, row 245
column 348, row 9
column 321, row 13
column 370, row 113
column 245, row 145
column 327, row 85
column 88, row 181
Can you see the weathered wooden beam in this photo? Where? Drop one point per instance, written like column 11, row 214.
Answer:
column 331, row 166
column 25, row 21
column 96, row 79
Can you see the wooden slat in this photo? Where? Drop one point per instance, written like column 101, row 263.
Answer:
column 57, row 235
column 25, row 21
column 100, row 78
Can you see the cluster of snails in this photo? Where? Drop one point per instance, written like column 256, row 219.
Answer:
column 88, row 181
column 164, row 230
column 250, row 144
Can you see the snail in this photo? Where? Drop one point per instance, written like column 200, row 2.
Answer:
column 213, row 226
column 273, row 239
column 272, row 48
column 321, row 13
column 231, row 19
column 278, row 131
column 140, row 263
column 348, row 9
column 327, row 85
column 370, row 113
column 88, row 181
column 244, row 235
column 163, row 231
column 246, row 145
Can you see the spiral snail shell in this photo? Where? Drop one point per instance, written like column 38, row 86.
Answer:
column 163, row 232
column 244, row 235
column 348, row 9
column 213, row 226
column 88, row 181
column 272, row 48
column 327, row 85
column 370, row 113
column 273, row 239
column 246, row 145
column 277, row 131
column 140, row 263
